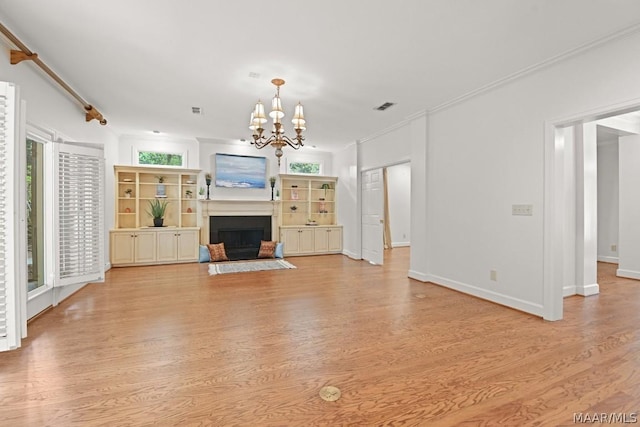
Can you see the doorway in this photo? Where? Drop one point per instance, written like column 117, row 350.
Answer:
column 386, row 210
column 562, row 243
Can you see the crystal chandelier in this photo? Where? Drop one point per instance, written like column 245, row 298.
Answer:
column 278, row 139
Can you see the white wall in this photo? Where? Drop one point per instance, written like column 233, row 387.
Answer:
column 403, row 143
column 208, row 150
column 399, row 193
column 52, row 109
column 487, row 153
column 129, row 147
column 629, row 246
column 586, row 153
column 346, row 169
column 389, row 148
column 608, row 209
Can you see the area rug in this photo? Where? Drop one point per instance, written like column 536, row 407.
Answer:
column 241, row 267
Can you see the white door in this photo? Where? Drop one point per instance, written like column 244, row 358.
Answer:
column 372, row 216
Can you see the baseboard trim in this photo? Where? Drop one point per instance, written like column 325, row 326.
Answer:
column 629, row 274
column 511, row 302
column 351, row 255
column 568, row 291
column 400, row 244
column 588, row 290
column 423, row 277
column 609, row 259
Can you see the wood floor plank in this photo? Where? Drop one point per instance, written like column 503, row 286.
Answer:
column 171, row 345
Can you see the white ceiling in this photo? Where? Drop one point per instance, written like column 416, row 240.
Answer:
column 145, row 63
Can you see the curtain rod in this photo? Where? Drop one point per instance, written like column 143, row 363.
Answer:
column 24, row 53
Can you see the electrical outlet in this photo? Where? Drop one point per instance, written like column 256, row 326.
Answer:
column 614, row 248
column 493, row 275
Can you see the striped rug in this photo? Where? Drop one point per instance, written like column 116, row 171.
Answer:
column 241, row 266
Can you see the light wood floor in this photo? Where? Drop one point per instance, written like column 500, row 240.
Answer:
column 170, row 345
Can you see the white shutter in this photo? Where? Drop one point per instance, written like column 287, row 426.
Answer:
column 80, row 214
column 9, row 325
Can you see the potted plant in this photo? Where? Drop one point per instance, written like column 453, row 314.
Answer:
column 156, row 210
column 160, row 188
column 201, row 193
column 272, row 181
column 207, row 179
column 325, row 187
column 127, row 193
column 188, row 194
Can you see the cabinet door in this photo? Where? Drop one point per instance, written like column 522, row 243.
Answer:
column 167, row 246
column 188, row 245
column 145, row 246
column 334, row 240
column 122, row 248
column 321, row 240
column 306, row 245
column 290, row 237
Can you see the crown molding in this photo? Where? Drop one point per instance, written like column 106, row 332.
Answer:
column 406, row 121
column 537, row 67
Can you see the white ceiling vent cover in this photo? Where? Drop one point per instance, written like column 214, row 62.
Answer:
column 385, row 106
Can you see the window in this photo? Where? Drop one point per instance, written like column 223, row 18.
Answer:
column 160, row 159
column 35, row 214
column 308, row 168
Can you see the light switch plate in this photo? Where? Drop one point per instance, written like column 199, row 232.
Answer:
column 523, row 210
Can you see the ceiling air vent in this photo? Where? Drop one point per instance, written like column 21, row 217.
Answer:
column 196, row 110
column 385, row 106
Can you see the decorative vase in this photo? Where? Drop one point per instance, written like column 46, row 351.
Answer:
column 157, row 222
column 127, row 195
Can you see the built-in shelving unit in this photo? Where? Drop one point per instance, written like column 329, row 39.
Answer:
column 135, row 240
column 131, row 210
column 308, row 223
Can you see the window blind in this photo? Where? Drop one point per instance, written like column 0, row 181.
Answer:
column 9, row 329
column 80, row 214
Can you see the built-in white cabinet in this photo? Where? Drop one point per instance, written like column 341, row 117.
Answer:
column 297, row 240
column 154, row 245
column 327, row 239
column 311, row 240
column 133, row 247
column 178, row 245
column 135, row 241
column 308, row 223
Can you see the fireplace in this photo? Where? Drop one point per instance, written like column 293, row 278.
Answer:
column 241, row 235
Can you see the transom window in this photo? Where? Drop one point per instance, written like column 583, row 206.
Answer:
column 160, row 159
column 307, row 168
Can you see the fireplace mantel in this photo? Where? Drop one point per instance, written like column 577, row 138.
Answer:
column 209, row 208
